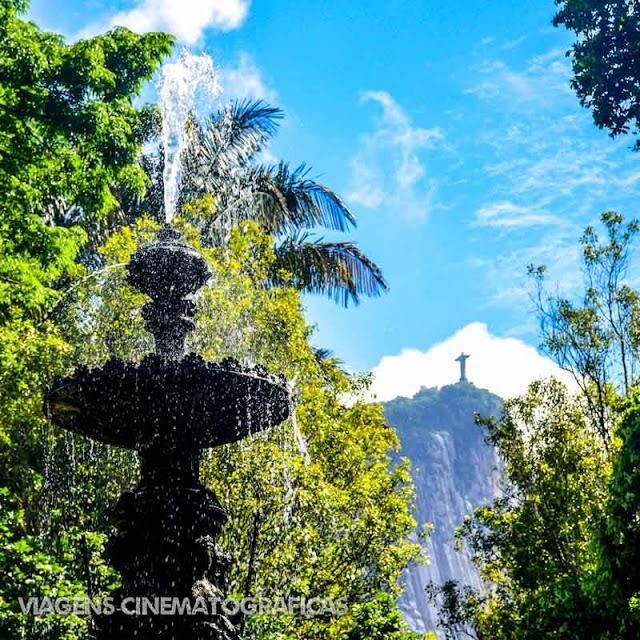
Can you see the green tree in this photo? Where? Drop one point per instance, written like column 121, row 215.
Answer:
column 606, row 60
column 534, row 545
column 596, row 339
column 618, row 541
column 558, row 551
column 68, row 133
column 379, row 620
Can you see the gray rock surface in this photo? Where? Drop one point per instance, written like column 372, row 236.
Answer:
column 454, row 471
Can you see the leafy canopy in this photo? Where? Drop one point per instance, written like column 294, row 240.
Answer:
column 606, row 60
column 533, row 545
column 559, row 550
column 68, row 133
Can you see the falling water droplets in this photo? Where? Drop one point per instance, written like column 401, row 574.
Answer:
column 300, row 441
column 48, row 440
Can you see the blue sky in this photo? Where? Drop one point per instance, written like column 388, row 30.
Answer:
column 452, row 132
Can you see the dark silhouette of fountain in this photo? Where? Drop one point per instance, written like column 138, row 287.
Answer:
column 168, row 408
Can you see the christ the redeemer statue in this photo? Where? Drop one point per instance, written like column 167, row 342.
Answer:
column 462, row 359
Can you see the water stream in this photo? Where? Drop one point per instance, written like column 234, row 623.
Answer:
column 183, row 85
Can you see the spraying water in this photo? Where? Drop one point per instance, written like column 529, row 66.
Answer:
column 182, row 84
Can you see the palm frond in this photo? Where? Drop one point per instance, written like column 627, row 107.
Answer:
column 303, row 203
column 254, row 115
column 238, row 132
column 324, row 356
column 338, row 270
column 233, row 135
column 322, row 353
column 232, row 209
column 279, row 199
column 219, row 150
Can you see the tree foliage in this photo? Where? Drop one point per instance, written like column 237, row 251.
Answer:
column 558, row 552
column 606, row 60
column 533, row 546
column 596, row 339
column 68, row 133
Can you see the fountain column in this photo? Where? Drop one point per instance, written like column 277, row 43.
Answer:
column 165, row 546
column 165, row 529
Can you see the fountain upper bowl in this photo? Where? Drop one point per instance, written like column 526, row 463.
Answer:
column 168, row 270
column 187, row 403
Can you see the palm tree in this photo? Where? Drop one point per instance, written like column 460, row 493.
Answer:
column 222, row 159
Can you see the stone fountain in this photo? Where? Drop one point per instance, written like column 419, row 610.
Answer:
column 168, row 408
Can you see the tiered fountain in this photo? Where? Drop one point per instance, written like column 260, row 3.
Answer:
column 168, row 408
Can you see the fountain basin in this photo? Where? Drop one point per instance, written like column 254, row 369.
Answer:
column 190, row 403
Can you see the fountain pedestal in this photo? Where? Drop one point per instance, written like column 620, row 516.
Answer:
column 164, row 547
column 168, row 408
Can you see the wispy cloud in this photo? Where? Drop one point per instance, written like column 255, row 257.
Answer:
column 187, row 19
column 504, row 365
column 510, row 215
column 512, row 44
column 545, row 171
column 244, row 79
column 505, row 278
column 544, row 76
column 548, row 163
column 390, row 168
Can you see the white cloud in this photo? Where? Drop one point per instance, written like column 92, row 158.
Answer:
column 509, row 215
column 390, row 168
column 512, row 44
column 366, row 184
column 505, row 366
column 245, row 80
column 509, row 44
column 186, row 19
column 539, row 85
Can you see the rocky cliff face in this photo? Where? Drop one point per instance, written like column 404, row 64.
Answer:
column 454, row 471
